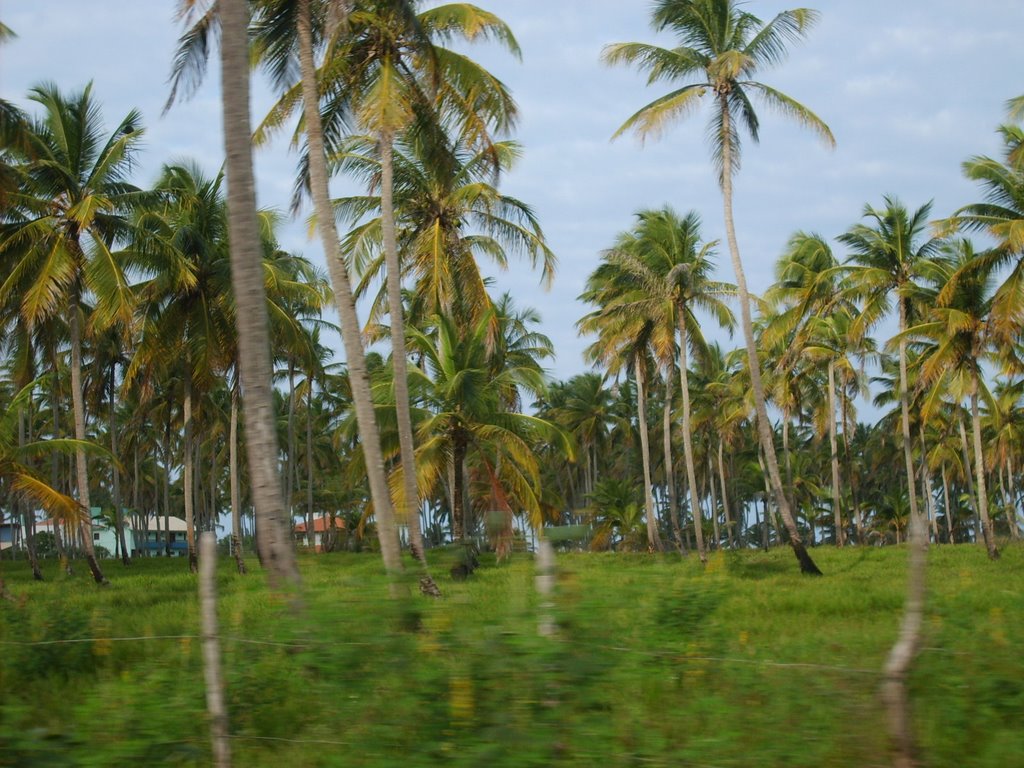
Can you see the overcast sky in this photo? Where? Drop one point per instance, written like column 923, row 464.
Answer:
column 910, row 88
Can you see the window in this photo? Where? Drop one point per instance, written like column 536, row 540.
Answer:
column 95, row 537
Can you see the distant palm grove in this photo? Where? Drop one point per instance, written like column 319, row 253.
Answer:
column 163, row 357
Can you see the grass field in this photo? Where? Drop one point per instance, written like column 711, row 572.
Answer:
column 655, row 663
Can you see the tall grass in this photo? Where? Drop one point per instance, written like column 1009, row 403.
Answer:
column 656, row 663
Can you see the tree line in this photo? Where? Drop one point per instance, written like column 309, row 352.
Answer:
column 138, row 363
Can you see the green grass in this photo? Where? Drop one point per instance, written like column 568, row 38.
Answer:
column 656, row 664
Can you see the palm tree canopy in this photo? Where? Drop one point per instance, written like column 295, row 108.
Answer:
column 721, row 48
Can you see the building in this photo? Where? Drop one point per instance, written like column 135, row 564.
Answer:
column 321, row 528
column 153, row 544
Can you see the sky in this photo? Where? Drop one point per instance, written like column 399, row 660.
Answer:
column 910, row 89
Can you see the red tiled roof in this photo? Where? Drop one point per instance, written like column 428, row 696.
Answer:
column 320, row 524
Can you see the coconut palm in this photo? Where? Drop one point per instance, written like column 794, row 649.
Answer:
column 449, row 214
column 889, row 254
column 395, row 75
column 959, row 337
column 721, row 48
column 1000, row 215
column 62, row 230
column 467, row 422
column 670, row 270
column 17, row 456
column 273, row 533
column 628, row 341
column 813, row 323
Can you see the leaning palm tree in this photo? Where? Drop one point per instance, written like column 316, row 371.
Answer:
column 721, row 48
column 273, row 533
column 398, row 75
column 61, row 232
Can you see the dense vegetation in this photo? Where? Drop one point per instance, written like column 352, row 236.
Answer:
column 656, row 662
column 163, row 356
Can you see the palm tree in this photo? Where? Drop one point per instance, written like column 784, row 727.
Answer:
column 187, row 306
column 813, row 324
column 888, row 256
column 449, row 213
column 468, row 423
column 62, row 230
column 16, row 471
column 273, row 532
column 626, row 342
column 720, row 48
column 959, row 336
column 671, row 268
column 1001, row 216
column 397, row 75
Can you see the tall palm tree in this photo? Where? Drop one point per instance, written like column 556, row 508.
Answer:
column 959, row 340
column 888, row 256
column 62, row 230
column 627, row 341
column 273, row 532
column 397, row 75
column 187, row 306
column 671, row 269
column 449, row 213
column 722, row 47
column 813, row 323
column 467, row 421
column 1000, row 215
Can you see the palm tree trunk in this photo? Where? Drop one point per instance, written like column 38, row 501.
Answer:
column 273, row 532
column 290, row 469
column 670, row 480
column 834, row 448
column 653, row 537
column 717, row 544
column 55, row 466
column 949, row 508
column 310, row 532
column 691, row 472
column 167, row 486
column 929, row 496
column 725, row 498
column 236, row 500
column 851, row 474
column 1011, row 510
column 366, row 420
column 905, row 410
column 458, row 499
column 787, row 454
column 188, row 481
column 27, row 515
column 979, row 469
column 81, row 465
column 972, row 498
column 901, row 656
column 116, row 473
column 399, row 359
column 764, row 429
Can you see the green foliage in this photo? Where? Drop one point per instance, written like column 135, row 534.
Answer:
column 655, row 662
